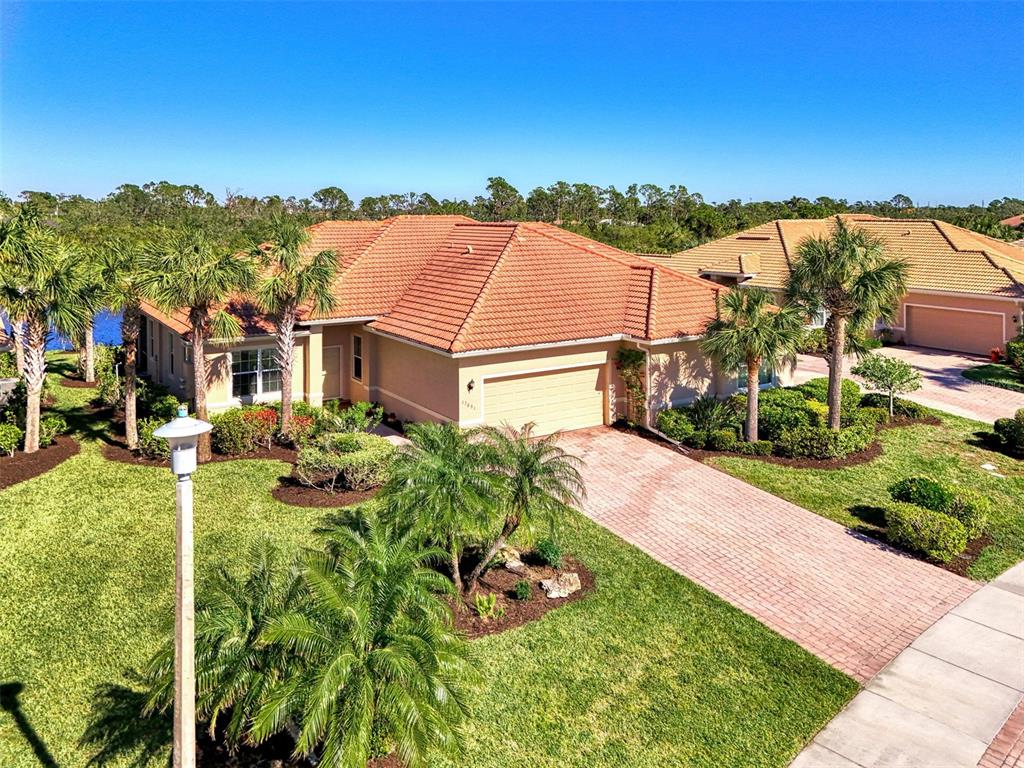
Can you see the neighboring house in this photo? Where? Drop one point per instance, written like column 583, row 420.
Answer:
column 1016, row 222
column 966, row 290
column 446, row 318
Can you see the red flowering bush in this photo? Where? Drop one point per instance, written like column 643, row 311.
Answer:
column 262, row 423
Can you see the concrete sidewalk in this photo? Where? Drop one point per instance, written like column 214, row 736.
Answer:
column 942, row 701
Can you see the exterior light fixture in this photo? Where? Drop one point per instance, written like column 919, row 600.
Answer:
column 470, row 385
column 182, row 435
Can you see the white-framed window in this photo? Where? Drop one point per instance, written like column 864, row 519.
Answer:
column 255, row 372
column 818, row 319
column 357, row 357
column 765, row 378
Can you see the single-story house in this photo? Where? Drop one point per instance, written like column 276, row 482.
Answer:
column 446, row 318
column 966, row 290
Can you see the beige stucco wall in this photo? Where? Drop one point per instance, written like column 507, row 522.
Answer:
column 218, row 362
column 413, row 383
column 679, row 374
column 1009, row 311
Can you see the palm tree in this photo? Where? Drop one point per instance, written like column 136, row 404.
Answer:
column 14, row 250
column 42, row 287
column 849, row 275
column 540, row 483
column 378, row 666
column 749, row 333
column 92, row 288
column 442, row 481
column 234, row 668
column 127, row 276
column 292, row 280
column 192, row 272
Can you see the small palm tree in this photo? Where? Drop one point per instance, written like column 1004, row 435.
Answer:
column 43, row 288
column 234, row 668
column 194, row 273
column 749, row 334
column 378, row 666
column 540, row 484
column 127, row 275
column 292, row 280
column 443, row 483
column 849, row 275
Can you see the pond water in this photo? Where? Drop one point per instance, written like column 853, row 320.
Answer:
column 106, row 330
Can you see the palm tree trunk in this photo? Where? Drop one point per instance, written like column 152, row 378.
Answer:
column 286, row 359
column 511, row 524
column 88, row 353
column 130, row 339
column 35, row 375
column 456, row 570
column 199, row 383
column 753, row 392
column 835, row 370
column 18, row 338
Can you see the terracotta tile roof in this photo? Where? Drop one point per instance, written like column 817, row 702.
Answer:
column 1014, row 221
column 514, row 284
column 458, row 285
column 940, row 256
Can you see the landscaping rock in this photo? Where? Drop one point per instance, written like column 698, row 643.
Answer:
column 518, row 567
column 563, row 585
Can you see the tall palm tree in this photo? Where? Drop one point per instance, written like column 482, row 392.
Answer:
column 749, row 333
column 443, row 481
column 13, row 251
column 127, row 275
column 292, row 280
column 194, row 273
column 849, row 275
column 92, row 288
column 234, row 668
column 540, row 484
column 378, row 665
column 43, row 286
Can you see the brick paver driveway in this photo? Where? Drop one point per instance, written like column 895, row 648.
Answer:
column 847, row 599
column 942, row 387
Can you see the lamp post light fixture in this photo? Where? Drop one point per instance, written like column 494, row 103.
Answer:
column 182, row 435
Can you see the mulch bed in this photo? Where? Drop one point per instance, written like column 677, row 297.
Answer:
column 518, row 612
column 24, row 466
column 77, row 383
column 958, row 565
column 118, row 451
column 291, row 491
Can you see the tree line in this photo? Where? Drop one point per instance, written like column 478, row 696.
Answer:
column 640, row 217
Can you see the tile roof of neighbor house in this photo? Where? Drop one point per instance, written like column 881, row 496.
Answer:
column 460, row 285
column 1014, row 221
column 940, row 256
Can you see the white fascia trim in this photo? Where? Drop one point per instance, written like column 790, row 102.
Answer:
column 531, row 347
column 962, row 295
column 266, row 339
column 339, row 320
column 745, row 275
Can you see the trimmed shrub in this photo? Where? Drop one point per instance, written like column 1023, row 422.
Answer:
column 756, row 448
column 924, row 492
column 817, row 389
column 549, row 553
column 782, row 397
column 817, row 413
column 931, row 533
column 1015, row 354
column 8, row 366
column 162, row 406
column 358, row 417
column 773, row 420
column 820, row 442
column 697, row 440
column 149, row 446
column 355, row 461
column 50, row 427
column 675, row 423
column 522, row 590
column 10, row 438
column 871, row 417
column 1011, row 433
column 303, row 429
column 262, row 424
column 907, row 409
column 722, row 440
column 971, row 509
column 232, row 433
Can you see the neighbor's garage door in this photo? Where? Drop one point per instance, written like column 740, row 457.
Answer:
column 558, row 400
column 954, row 329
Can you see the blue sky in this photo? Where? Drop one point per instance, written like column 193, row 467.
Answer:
column 760, row 101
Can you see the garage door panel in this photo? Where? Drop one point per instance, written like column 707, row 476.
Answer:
column 557, row 400
column 957, row 330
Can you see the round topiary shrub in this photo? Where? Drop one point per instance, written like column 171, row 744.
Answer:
column 773, row 419
column 924, row 492
column 722, row 440
column 931, row 533
column 354, row 461
column 675, row 423
column 971, row 509
column 817, row 390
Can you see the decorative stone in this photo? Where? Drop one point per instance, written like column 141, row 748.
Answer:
column 563, row 585
column 518, row 567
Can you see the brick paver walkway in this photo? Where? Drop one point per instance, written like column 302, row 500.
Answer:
column 1007, row 749
column 849, row 600
column 942, row 386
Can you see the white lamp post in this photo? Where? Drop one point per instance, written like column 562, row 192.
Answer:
column 182, row 434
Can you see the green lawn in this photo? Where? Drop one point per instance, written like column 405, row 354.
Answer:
column 996, row 375
column 950, row 453
column 649, row 670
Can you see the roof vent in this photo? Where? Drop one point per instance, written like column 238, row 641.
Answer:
column 469, row 249
column 753, row 237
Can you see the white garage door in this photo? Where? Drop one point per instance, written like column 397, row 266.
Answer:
column 559, row 400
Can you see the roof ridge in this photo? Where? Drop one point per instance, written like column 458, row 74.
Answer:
column 652, row 291
column 457, row 336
